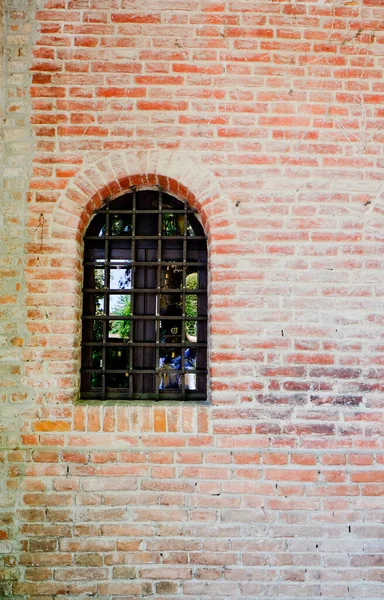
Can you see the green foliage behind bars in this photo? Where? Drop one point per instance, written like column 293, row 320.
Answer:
column 191, row 304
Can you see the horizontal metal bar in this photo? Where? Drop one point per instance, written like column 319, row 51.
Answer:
column 119, row 394
column 127, row 292
column 162, row 371
column 144, row 211
column 135, row 263
column 128, row 344
column 143, row 317
column 145, row 237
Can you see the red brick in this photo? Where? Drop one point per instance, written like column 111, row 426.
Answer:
column 267, row 117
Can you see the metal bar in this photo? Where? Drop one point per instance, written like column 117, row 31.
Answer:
column 141, row 237
column 133, row 255
column 161, row 370
column 122, row 211
column 158, row 286
column 119, row 344
column 123, row 263
column 183, row 298
column 129, row 291
column 106, row 300
column 147, row 317
column 167, row 395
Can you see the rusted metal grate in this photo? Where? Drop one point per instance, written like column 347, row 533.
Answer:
column 145, row 300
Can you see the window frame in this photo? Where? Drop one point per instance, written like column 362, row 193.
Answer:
column 147, row 256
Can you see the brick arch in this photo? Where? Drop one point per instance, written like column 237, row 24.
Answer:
column 176, row 172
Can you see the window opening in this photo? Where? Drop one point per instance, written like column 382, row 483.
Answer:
column 145, row 300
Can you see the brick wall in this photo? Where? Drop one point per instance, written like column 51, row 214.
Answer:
column 16, row 144
column 268, row 117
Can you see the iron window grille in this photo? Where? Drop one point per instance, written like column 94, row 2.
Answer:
column 145, row 300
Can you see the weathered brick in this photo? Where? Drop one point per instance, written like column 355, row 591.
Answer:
column 124, row 573
column 267, row 118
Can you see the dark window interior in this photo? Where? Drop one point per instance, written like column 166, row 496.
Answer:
column 145, row 301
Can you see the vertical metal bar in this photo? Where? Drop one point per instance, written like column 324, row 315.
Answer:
column 158, row 286
column 202, row 309
column 183, row 298
column 106, row 300
column 133, row 258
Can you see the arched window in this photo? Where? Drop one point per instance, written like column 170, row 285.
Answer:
column 145, row 300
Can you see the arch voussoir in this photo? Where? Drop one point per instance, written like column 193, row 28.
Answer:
column 176, row 172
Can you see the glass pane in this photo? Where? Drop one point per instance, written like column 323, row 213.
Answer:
column 172, row 250
column 171, row 304
column 191, row 331
column 120, row 278
column 119, row 329
column 120, row 224
column 96, row 361
column 191, row 305
column 170, row 381
column 194, row 225
column 190, row 355
column 99, row 279
column 171, row 277
column 120, row 251
column 171, row 203
column 170, row 332
column 172, row 224
column 195, row 252
column 170, row 362
column 117, row 358
column 117, row 380
column 96, row 380
column 93, row 304
column 170, row 358
column 99, row 304
column 94, row 251
column 120, row 305
column 97, row 331
column 192, row 280
column 121, row 203
column 190, row 381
